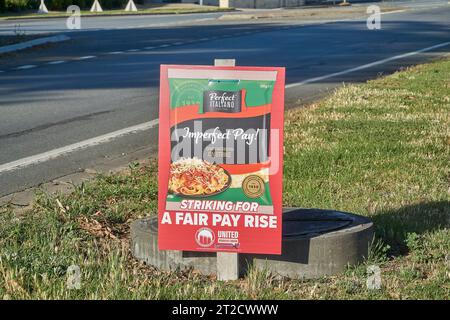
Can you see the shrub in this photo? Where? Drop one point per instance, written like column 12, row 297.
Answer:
column 18, row 5
column 62, row 5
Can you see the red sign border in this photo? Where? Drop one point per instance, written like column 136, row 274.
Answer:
column 276, row 180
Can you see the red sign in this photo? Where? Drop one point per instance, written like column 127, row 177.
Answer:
column 220, row 158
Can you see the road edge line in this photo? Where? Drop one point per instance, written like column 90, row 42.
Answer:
column 368, row 65
column 52, row 154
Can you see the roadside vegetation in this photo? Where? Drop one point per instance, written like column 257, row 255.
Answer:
column 380, row 149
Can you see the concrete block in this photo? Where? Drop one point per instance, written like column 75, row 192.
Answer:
column 315, row 243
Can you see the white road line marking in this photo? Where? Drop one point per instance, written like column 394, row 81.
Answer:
column 56, row 62
column 149, row 48
column 52, row 154
column 25, row 67
column 395, row 11
column 86, row 57
column 164, row 46
column 133, row 50
column 115, row 52
column 368, row 65
column 178, row 43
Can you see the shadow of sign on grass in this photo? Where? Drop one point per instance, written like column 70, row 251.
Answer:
column 394, row 226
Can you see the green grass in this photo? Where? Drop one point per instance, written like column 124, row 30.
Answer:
column 152, row 11
column 380, row 149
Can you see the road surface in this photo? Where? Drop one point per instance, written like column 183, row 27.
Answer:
column 68, row 107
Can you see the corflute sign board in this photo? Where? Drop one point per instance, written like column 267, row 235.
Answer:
column 220, row 158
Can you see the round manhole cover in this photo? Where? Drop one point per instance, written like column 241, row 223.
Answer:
column 303, row 222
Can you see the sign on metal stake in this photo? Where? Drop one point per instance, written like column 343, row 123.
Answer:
column 220, row 161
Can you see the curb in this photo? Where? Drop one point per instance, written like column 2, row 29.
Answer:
column 33, row 43
column 22, row 200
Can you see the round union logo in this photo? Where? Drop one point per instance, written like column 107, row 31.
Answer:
column 204, row 237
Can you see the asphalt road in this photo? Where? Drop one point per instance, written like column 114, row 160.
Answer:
column 62, row 107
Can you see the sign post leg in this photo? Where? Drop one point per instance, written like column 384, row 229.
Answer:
column 227, row 266
column 227, row 262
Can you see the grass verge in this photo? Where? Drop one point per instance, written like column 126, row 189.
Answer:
column 380, row 149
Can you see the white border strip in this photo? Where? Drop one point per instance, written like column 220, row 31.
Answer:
column 223, row 74
column 42, row 157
